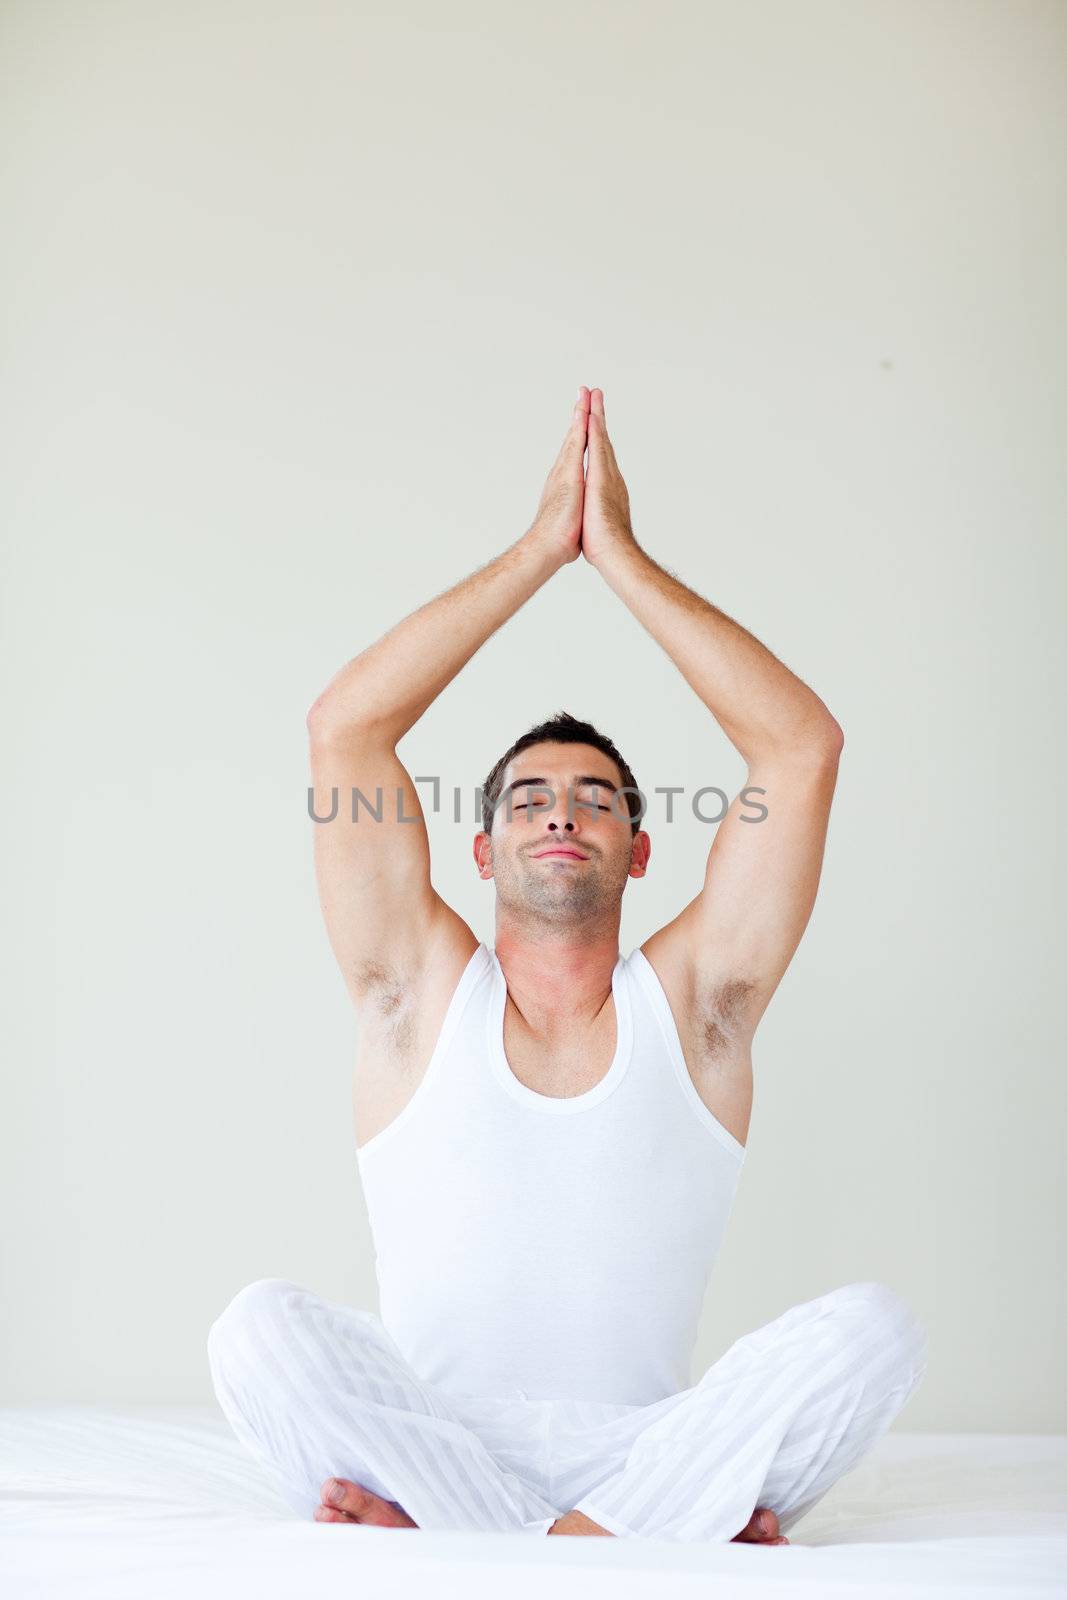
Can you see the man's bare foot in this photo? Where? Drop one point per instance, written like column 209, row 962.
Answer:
column 353, row 1503
column 761, row 1528
column 344, row 1501
column 578, row 1522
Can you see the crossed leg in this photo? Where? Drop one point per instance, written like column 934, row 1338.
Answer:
column 311, row 1387
column 774, row 1423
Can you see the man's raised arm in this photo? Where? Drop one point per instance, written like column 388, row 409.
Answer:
column 383, row 916
column 737, row 937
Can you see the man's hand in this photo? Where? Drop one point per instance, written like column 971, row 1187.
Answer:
column 606, row 514
column 558, row 522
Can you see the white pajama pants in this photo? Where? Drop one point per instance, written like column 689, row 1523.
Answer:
column 316, row 1390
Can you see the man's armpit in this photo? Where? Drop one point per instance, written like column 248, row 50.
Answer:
column 388, row 1005
column 722, row 1017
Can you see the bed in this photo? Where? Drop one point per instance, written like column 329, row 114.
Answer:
column 145, row 1503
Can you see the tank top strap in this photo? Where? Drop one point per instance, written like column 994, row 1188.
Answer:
column 462, row 1013
column 649, row 1000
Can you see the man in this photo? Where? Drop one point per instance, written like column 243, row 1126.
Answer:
column 550, row 1135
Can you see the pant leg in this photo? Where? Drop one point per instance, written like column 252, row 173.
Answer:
column 775, row 1422
column 317, row 1390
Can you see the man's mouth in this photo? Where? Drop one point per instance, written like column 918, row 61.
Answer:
column 562, row 850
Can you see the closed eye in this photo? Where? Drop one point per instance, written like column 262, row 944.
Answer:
column 536, row 805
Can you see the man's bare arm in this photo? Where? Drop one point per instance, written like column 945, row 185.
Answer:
column 761, row 706
column 383, row 917
column 736, row 938
column 764, row 709
column 389, row 685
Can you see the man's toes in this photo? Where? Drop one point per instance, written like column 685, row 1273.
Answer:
column 356, row 1504
column 344, row 1495
column 761, row 1528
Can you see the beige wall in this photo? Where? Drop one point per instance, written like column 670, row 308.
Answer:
column 298, row 299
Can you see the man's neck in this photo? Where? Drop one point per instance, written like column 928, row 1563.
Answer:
column 560, row 982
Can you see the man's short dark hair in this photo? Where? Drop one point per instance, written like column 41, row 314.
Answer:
column 561, row 729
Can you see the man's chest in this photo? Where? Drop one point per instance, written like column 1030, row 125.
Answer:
column 391, row 1062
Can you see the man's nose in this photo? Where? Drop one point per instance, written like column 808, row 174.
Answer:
column 564, row 811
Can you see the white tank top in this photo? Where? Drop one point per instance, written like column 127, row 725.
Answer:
column 547, row 1248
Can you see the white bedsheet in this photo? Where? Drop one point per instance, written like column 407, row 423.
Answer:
column 146, row 1503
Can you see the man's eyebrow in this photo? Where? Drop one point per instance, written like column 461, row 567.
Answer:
column 583, row 782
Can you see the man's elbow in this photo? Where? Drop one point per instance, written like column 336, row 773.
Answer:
column 820, row 729
column 821, row 740
column 317, row 717
column 327, row 716
column 332, row 719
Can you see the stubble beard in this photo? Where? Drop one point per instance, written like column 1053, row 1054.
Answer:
column 556, row 896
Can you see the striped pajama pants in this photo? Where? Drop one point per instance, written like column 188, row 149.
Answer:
column 317, row 1390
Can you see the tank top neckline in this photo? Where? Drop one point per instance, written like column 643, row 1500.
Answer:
column 557, row 1105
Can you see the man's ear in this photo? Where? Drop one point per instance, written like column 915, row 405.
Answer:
column 482, row 850
column 640, row 851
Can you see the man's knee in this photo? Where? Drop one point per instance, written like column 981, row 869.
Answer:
column 255, row 1312
column 888, row 1312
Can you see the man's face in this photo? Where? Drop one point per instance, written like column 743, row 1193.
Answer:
column 564, row 851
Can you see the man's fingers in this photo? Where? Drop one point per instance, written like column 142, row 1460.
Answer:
column 599, row 438
column 579, row 427
column 574, row 440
